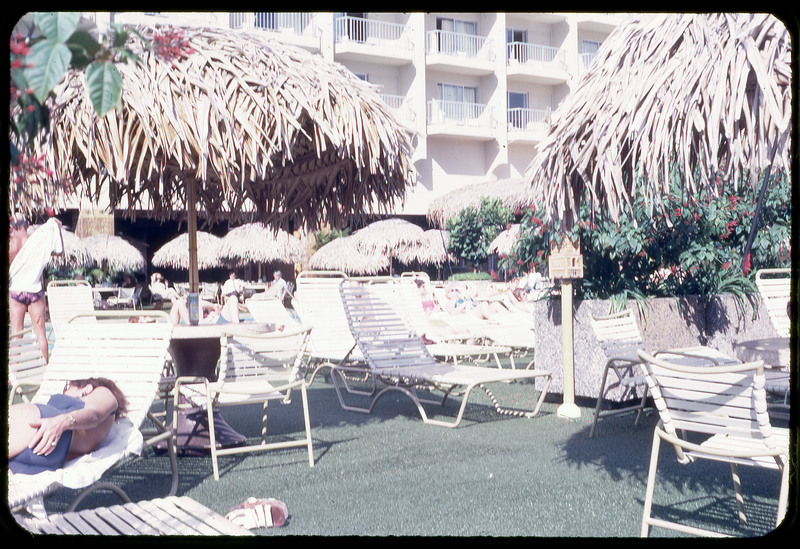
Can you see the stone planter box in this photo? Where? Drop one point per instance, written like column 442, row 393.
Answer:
column 669, row 322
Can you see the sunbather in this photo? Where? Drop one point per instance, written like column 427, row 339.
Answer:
column 43, row 437
column 212, row 313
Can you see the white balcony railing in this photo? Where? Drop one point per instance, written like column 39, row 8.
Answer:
column 458, row 113
column 456, row 44
column 544, row 56
column 291, row 22
column 526, row 119
column 399, row 104
column 586, row 59
column 347, row 27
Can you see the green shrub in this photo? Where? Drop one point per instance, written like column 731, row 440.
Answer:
column 470, row 276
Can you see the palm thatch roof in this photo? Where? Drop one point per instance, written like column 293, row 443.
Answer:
column 255, row 243
column 504, row 242
column 75, row 252
column 432, row 250
column 266, row 131
column 708, row 94
column 511, row 192
column 388, row 236
column 175, row 253
column 344, row 254
column 114, row 251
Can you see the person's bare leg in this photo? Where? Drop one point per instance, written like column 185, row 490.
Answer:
column 37, row 311
column 20, row 430
column 16, row 314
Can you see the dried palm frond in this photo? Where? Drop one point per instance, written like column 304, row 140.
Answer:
column 432, row 250
column 511, row 192
column 256, row 243
column 114, row 251
column 504, row 242
column 175, row 253
column 709, row 94
column 264, row 130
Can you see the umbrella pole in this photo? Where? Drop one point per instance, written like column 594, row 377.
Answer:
column 194, row 279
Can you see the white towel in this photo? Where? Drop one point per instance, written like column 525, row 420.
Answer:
column 25, row 272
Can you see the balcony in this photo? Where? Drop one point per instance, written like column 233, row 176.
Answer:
column 585, row 60
column 369, row 40
column 459, row 119
column 400, row 106
column 459, row 52
column 294, row 27
column 528, row 125
column 536, row 63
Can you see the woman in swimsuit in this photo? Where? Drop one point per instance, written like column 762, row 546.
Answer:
column 43, row 437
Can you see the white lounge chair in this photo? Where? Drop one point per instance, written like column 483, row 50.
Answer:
column 726, row 407
column 170, row 516
column 271, row 312
column 133, row 356
column 256, row 368
column 774, row 286
column 26, row 365
column 67, row 298
column 397, row 357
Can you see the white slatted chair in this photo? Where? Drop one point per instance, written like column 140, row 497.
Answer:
column 318, row 303
column 130, row 354
column 398, row 358
column 727, row 405
column 774, row 286
column 271, row 312
column 67, row 298
column 170, row 516
column 126, row 297
column 26, row 365
column 256, row 368
column 619, row 337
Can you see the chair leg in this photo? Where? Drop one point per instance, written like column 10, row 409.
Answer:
column 783, row 494
column 651, row 481
column 737, row 486
column 599, row 401
column 212, row 438
column 307, row 421
column 264, row 422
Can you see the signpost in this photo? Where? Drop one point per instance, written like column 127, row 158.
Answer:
column 566, row 264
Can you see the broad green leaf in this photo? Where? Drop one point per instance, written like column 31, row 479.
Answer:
column 105, row 86
column 48, row 62
column 57, row 26
column 83, row 47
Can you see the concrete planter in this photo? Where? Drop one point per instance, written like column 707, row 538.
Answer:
column 668, row 322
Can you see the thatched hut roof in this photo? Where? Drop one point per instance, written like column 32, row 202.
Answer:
column 175, row 253
column 432, row 250
column 510, row 191
column 709, row 94
column 256, row 243
column 504, row 242
column 114, row 251
column 344, row 254
column 388, row 236
column 268, row 132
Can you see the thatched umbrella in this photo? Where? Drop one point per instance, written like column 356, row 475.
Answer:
column 709, row 94
column 388, row 236
column 431, row 251
column 175, row 253
column 504, row 242
column 256, row 243
column 75, row 252
column 114, row 251
column 344, row 254
column 244, row 128
column 510, row 191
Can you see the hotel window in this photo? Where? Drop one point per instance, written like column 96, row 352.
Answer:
column 518, row 109
column 456, row 35
column 517, row 40
column 458, row 102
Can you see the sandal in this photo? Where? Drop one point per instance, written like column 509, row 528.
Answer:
column 259, row 513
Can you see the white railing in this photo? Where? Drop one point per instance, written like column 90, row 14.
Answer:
column 399, row 104
column 456, row 43
column 347, row 27
column 586, row 59
column 520, row 118
column 546, row 56
column 458, row 113
column 293, row 22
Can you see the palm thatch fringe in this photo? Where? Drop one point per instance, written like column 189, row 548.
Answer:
column 264, row 130
column 432, row 250
column 709, row 94
column 114, row 251
column 388, row 236
column 512, row 192
column 175, row 253
column 256, row 243
column 344, row 254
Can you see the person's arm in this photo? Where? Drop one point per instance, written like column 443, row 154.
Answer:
column 60, row 236
column 98, row 405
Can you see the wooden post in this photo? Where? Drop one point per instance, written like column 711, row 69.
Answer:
column 194, row 278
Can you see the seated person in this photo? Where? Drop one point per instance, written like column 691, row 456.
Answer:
column 277, row 289
column 211, row 313
column 428, row 305
column 42, row 437
column 160, row 290
column 233, row 287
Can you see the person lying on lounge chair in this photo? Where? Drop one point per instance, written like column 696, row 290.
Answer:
column 42, row 437
column 213, row 313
